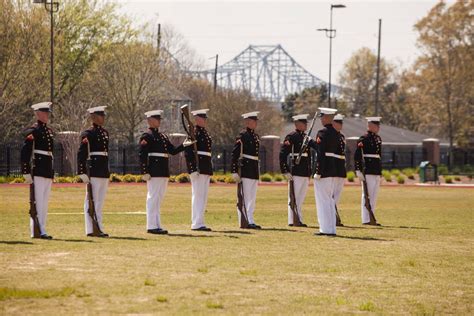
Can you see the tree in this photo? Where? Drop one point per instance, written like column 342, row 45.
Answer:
column 442, row 79
column 358, row 80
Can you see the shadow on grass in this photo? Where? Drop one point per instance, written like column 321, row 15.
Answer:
column 405, row 227
column 282, row 229
column 361, row 227
column 361, row 238
column 124, row 238
column 15, row 242
column 190, row 235
column 232, row 232
column 73, row 240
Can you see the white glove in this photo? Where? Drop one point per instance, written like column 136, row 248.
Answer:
column 194, row 175
column 188, row 142
column 236, row 177
column 146, row 177
column 28, row 178
column 84, row 178
column 360, row 175
column 317, row 176
column 288, row 176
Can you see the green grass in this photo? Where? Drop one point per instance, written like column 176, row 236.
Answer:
column 419, row 262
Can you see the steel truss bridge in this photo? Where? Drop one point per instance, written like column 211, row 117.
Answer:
column 267, row 71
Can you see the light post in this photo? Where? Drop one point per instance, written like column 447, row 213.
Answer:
column 51, row 7
column 331, row 33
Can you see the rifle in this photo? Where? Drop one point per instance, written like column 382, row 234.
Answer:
column 33, row 212
column 306, row 140
column 338, row 218
column 367, row 205
column 244, row 221
column 189, row 128
column 96, row 231
column 292, row 202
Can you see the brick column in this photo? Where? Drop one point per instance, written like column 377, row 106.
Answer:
column 431, row 150
column 177, row 162
column 271, row 145
column 351, row 146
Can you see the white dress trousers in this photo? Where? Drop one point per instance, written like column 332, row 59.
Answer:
column 156, row 192
column 301, row 187
column 250, row 196
column 325, row 204
column 99, row 190
column 42, row 191
column 200, row 189
column 373, row 185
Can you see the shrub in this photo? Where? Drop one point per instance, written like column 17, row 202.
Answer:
column 395, row 172
column 220, row 178
column 400, row 179
column 457, row 178
column 18, row 180
column 350, row 176
column 115, row 178
column 278, row 177
column 387, row 175
column 183, row 178
column 228, row 179
column 63, row 180
column 172, row 179
column 266, row 177
column 212, row 180
column 443, row 170
column 128, row 178
column 408, row 171
column 448, row 179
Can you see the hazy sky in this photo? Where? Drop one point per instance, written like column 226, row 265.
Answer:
column 228, row 27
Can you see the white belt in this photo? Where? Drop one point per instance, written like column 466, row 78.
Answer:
column 336, row 156
column 158, row 155
column 372, row 156
column 98, row 153
column 43, row 152
column 302, row 155
column 250, row 157
column 204, row 153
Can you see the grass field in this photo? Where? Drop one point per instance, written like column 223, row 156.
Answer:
column 419, row 262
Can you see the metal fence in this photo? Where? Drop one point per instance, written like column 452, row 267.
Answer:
column 123, row 158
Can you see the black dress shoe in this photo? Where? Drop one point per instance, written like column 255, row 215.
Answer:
column 324, row 234
column 376, row 224
column 340, row 224
column 254, row 226
column 157, row 231
column 301, row 225
column 291, row 225
column 102, row 235
column 46, row 236
column 202, row 228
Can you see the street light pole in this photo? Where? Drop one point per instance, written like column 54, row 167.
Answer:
column 331, row 33
column 215, row 73
column 51, row 7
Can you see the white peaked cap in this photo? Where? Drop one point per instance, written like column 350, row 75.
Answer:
column 327, row 111
column 197, row 112
column 96, row 109
column 42, row 105
column 154, row 113
column 300, row 117
column 338, row 117
column 250, row 114
column 373, row 118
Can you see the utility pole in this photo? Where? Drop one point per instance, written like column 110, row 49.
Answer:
column 215, row 73
column 377, row 78
column 158, row 40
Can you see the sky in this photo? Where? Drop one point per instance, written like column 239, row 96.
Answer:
column 228, row 27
